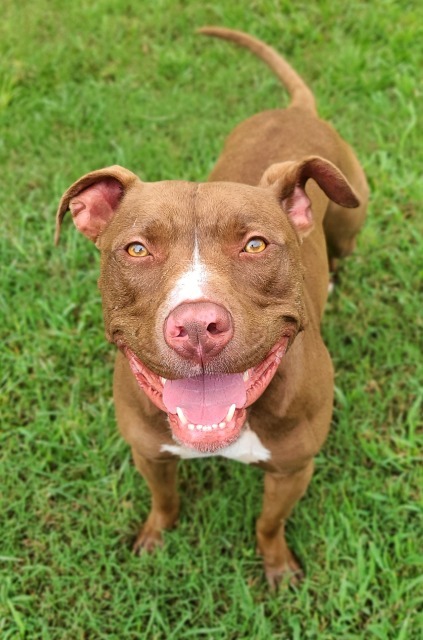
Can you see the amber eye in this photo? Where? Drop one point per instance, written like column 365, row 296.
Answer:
column 255, row 245
column 137, row 250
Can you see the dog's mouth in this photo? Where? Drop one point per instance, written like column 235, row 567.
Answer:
column 207, row 412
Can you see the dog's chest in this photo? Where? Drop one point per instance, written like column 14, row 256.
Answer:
column 248, row 448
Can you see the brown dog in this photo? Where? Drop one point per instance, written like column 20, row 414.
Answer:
column 214, row 294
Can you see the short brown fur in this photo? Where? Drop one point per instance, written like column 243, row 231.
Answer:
column 283, row 292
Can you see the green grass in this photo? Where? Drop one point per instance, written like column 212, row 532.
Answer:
column 84, row 85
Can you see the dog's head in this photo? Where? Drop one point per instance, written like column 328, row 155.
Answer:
column 202, row 284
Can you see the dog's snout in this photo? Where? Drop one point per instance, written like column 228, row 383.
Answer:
column 198, row 330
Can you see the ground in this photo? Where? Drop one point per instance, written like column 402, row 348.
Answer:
column 85, row 85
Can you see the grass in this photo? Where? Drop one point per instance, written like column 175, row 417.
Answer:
column 84, row 85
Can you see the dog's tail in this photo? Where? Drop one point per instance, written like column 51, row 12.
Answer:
column 301, row 96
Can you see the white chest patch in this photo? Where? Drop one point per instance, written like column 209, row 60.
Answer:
column 248, row 448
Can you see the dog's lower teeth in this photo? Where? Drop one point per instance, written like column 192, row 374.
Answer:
column 202, row 427
column 245, row 376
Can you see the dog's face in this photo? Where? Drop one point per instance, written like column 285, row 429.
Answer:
column 201, row 285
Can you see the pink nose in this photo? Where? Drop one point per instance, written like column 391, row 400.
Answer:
column 198, row 330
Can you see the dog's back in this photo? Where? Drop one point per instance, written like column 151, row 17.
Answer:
column 290, row 134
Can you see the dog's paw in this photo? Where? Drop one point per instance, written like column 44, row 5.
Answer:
column 281, row 568
column 289, row 573
column 150, row 536
column 147, row 540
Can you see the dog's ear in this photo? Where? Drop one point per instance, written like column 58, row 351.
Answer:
column 288, row 180
column 93, row 199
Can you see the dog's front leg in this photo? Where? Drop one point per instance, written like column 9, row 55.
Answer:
column 160, row 476
column 281, row 492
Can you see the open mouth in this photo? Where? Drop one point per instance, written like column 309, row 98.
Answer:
column 207, row 412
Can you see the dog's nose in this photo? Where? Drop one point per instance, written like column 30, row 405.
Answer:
column 198, row 330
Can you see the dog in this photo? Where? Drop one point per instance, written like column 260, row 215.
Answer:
column 214, row 293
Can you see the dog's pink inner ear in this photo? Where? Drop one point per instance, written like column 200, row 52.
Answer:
column 288, row 181
column 93, row 208
column 298, row 208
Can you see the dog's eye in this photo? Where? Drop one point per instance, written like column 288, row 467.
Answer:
column 255, row 245
column 137, row 250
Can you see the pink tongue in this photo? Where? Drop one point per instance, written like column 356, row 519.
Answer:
column 205, row 399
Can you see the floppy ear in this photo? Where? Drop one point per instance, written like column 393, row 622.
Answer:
column 288, row 180
column 93, row 199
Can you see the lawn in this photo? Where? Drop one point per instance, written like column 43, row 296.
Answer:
column 84, row 85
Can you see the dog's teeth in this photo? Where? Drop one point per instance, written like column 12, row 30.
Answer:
column 199, row 427
column 230, row 413
column 222, row 425
column 163, row 381
column 191, row 426
column 214, row 426
column 245, row 375
column 181, row 416
column 207, row 428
